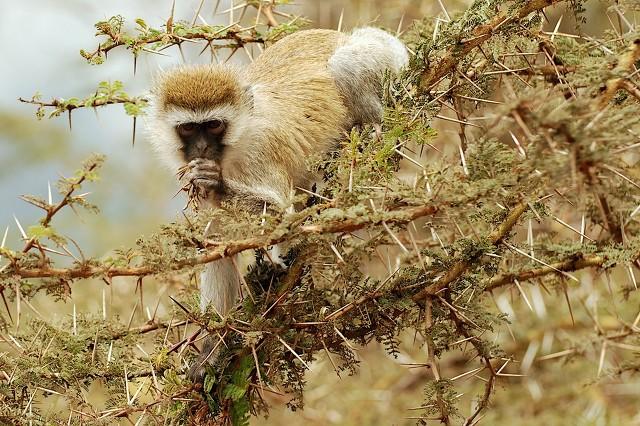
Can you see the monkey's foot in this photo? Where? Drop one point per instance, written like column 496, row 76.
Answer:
column 377, row 127
column 207, row 357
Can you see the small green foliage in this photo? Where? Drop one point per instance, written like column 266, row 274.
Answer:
column 39, row 231
column 106, row 93
column 276, row 33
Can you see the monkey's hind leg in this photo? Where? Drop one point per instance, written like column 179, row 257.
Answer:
column 219, row 288
column 358, row 67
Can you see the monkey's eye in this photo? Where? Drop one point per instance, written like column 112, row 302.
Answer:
column 215, row 127
column 186, row 129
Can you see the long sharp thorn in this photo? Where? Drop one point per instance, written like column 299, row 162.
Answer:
column 530, row 238
column 259, row 13
column 399, row 30
column 4, row 238
column 611, row 169
column 133, row 138
column 24, row 235
column 180, row 305
column 126, row 385
column 294, row 352
column 6, row 305
column 555, row 30
column 566, row 225
column 524, row 295
column 104, row 305
column 444, row 10
column 632, row 276
column 75, row 321
column 170, row 20
column 566, row 297
column 541, row 262
column 195, row 17
column 603, row 353
column 255, row 358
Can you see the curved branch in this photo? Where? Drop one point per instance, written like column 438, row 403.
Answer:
column 461, row 266
column 219, row 250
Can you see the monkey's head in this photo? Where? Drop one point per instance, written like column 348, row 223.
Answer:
column 197, row 112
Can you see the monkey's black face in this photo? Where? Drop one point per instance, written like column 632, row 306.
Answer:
column 202, row 140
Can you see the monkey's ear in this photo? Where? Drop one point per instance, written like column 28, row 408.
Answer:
column 247, row 94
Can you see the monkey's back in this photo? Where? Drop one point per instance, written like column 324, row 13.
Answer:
column 300, row 49
column 298, row 110
column 293, row 78
column 308, row 88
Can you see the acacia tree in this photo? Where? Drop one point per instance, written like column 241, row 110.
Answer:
column 548, row 134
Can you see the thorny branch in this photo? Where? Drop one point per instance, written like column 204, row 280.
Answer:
column 462, row 265
column 58, row 104
column 433, row 73
column 574, row 263
column 280, row 323
column 240, row 36
column 218, row 250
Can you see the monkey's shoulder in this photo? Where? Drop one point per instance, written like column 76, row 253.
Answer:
column 303, row 51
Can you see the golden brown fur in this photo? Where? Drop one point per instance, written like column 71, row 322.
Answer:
column 292, row 87
column 191, row 88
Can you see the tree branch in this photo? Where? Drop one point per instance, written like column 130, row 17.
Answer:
column 432, row 74
column 219, row 250
column 573, row 263
column 461, row 266
column 169, row 38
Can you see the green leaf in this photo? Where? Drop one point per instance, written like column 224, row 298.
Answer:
column 134, row 109
column 39, row 231
column 234, row 392
column 209, row 381
column 141, row 23
column 240, row 413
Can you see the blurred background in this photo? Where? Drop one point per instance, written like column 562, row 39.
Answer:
column 39, row 53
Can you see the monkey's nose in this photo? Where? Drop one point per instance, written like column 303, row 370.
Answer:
column 201, row 147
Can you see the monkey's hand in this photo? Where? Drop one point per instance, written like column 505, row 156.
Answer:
column 205, row 176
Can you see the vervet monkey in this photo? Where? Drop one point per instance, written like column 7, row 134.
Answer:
column 246, row 132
